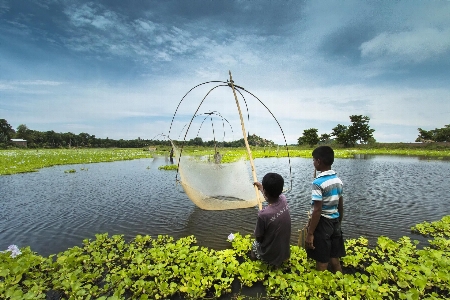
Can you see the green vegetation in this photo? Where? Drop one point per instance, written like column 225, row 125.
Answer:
column 435, row 135
column 27, row 160
column 51, row 139
column 168, row 167
column 295, row 151
column 6, row 131
column 24, row 160
column 309, row 137
column 160, row 268
column 344, row 135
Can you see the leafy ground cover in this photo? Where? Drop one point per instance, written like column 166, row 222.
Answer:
column 28, row 160
column 24, row 160
column 163, row 268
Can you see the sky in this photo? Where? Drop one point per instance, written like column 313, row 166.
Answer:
column 159, row 69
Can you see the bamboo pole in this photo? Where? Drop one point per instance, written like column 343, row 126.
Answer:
column 246, row 143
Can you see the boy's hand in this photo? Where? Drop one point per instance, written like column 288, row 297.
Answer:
column 310, row 241
column 258, row 185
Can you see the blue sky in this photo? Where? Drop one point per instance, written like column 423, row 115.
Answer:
column 118, row 69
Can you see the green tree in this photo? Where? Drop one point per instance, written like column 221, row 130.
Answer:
column 83, row 139
column 341, row 135
column 52, row 139
column 309, row 137
column 37, row 138
column 360, row 129
column 196, row 142
column 68, row 139
column 6, row 131
column 443, row 134
column 324, row 137
column 23, row 132
column 425, row 135
column 435, row 135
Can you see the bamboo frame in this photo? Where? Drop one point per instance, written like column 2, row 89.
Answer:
column 255, row 179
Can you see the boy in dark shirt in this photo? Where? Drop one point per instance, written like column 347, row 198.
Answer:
column 273, row 227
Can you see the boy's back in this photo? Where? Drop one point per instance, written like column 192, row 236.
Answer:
column 274, row 227
column 327, row 187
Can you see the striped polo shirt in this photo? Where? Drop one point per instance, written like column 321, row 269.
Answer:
column 328, row 188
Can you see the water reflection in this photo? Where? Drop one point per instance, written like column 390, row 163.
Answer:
column 51, row 210
column 363, row 156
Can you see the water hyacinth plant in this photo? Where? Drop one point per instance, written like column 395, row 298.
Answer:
column 163, row 268
column 28, row 160
column 15, row 251
column 168, row 167
column 230, row 237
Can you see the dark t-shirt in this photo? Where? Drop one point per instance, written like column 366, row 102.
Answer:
column 274, row 226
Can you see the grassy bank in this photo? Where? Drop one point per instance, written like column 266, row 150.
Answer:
column 27, row 160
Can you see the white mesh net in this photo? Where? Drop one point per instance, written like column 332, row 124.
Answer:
column 216, row 186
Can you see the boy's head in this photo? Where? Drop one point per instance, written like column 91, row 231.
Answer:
column 324, row 154
column 273, row 184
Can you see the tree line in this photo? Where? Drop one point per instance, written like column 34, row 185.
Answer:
column 358, row 132
column 435, row 135
column 348, row 136
column 52, row 139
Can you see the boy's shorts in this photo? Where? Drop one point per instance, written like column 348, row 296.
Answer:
column 254, row 252
column 328, row 241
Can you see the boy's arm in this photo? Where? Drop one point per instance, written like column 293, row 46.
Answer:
column 315, row 217
column 260, row 188
column 259, row 230
column 341, row 208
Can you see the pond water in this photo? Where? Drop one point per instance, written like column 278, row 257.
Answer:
column 51, row 210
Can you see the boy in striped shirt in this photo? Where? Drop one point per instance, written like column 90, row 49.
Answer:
column 324, row 241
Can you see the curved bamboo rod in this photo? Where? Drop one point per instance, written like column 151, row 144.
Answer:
column 246, row 142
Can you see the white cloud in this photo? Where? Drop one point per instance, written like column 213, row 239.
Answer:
column 4, row 7
column 38, row 82
column 144, row 26
column 29, row 86
column 417, row 46
column 143, row 40
column 297, row 70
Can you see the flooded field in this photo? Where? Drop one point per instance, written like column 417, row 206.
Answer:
column 52, row 210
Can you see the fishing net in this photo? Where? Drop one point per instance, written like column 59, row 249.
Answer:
column 212, row 185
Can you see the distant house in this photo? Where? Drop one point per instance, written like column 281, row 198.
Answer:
column 19, row 142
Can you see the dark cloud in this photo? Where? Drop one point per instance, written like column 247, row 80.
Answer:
column 344, row 43
column 341, row 52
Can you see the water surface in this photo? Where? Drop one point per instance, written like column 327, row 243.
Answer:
column 51, row 211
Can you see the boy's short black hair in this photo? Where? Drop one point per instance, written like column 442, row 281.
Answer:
column 325, row 154
column 273, row 184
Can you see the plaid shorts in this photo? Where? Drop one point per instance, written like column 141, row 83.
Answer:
column 255, row 246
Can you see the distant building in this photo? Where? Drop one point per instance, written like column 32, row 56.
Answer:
column 19, row 142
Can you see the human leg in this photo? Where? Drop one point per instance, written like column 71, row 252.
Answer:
column 337, row 248
column 322, row 244
column 335, row 264
column 321, row 266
